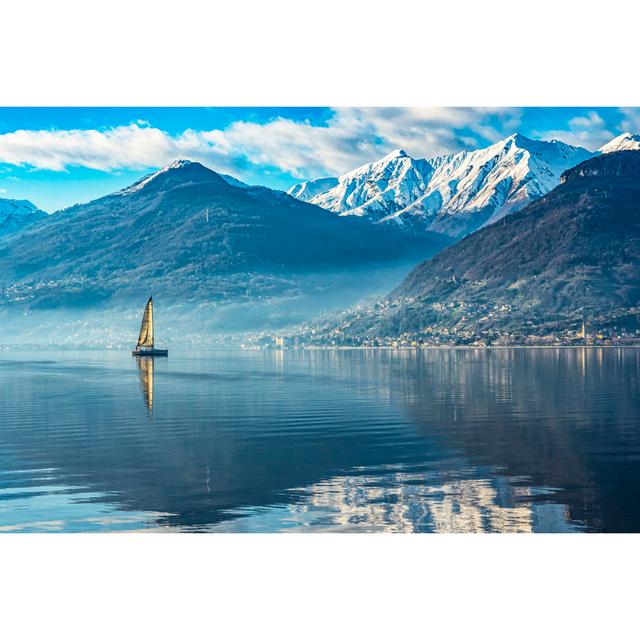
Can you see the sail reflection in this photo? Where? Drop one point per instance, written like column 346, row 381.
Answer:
column 145, row 369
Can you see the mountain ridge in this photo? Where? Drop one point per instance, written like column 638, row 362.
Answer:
column 624, row 142
column 456, row 193
column 569, row 256
column 192, row 238
column 18, row 214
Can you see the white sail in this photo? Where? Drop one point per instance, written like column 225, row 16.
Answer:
column 145, row 339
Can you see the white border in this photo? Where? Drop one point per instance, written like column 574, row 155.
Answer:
column 318, row 586
column 330, row 53
column 334, row 52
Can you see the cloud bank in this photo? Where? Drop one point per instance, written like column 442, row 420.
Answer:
column 589, row 131
column 302, row 149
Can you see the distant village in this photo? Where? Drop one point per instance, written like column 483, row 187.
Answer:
column 480, row 339
column 608, row 330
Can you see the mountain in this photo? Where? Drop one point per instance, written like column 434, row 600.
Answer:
column 625, row 142
column 453, row 194
column 374, row 190
column 238, row 256
column 570, row 256
column 474, row 188
column 234, row 182
column 17, row 214
column 307, row 190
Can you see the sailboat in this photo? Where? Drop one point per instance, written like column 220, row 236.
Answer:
column 145, row 345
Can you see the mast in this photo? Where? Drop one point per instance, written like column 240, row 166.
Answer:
column 145, row 339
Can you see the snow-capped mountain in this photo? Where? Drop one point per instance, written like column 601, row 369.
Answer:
column 474, row 188
column 572, row 254
column 453, row 194
column 374, row 190
column 168, row 171
column 625, row 142
column 16, row 214
column 307, row 190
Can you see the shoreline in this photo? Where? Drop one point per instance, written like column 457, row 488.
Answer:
column 54, row 348
column 466, row 347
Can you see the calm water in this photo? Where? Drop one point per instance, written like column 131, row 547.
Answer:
column 443, row 440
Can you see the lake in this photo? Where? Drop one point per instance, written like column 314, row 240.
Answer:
column 441, row 440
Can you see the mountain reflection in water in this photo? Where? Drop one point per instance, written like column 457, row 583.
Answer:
column 498, row 440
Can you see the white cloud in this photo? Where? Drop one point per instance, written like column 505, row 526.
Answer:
column 351, row 137
column 588, row 131
column 631, row 119
column 117, row 148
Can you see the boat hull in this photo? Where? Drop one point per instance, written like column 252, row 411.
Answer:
column 158, row 353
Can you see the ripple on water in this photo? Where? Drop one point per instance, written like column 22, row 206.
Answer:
column 448, row 441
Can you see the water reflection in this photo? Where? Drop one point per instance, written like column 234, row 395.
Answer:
column 443, row 440
column 413, row 503
column 145, row 368
column 564, row 418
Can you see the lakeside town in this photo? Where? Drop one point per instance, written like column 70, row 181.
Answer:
column 610, row 337
column 483, row 329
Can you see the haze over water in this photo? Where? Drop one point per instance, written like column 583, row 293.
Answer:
column 358, row 440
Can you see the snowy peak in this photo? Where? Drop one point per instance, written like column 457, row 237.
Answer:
column 306, row 191
column 17, row 214
column 376, row 189
column 177, row 164
column 453, row 194
column 548, row 149
column 396, row 153
column 398, row 156
column 474, row 188
column 516, row 139
column 174, row 174
column 624, row 142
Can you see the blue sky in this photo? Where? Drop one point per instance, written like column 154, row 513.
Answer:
column 56, row 157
